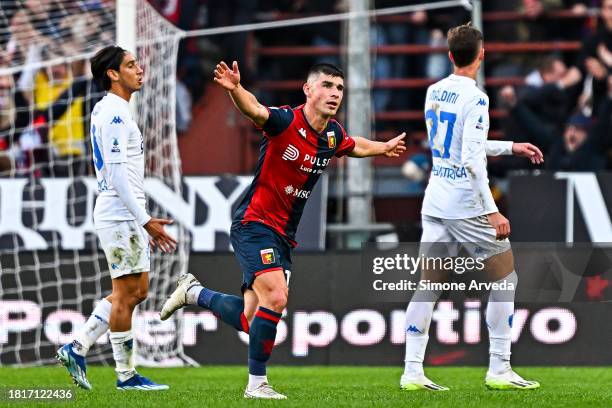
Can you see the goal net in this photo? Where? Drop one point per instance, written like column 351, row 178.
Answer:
column 52, row 269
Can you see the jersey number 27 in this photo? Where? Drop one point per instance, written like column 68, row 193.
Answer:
column 432, row 121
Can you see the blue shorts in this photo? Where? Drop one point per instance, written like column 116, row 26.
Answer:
column 259, row 249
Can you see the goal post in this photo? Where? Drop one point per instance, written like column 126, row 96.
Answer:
column 52, row 268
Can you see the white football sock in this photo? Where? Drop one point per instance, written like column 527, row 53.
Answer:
column 122, row 353
column 192, row 294
column 418, row 319
column 96, row 326
column 500, row 311
column 256, row 380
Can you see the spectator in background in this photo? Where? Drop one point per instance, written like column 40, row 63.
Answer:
column 25, row 41
column 595, row 62
column 43, row 114
column 18, row 135
column 24, row 126
column 66, row 133
column 17, row 132
column 46, row 17
column 530, row 28
column 550, row 70
column 535, row 109
column 580, row 148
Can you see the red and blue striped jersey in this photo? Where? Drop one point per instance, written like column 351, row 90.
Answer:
column 292, row 158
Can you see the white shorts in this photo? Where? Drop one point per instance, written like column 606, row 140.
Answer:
column 126, row 246
column 475, row 235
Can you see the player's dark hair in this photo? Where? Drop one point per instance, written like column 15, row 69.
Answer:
column 464, row 43
column 327, row 69
column 107, row 58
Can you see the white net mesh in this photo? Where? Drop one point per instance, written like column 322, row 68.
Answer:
column 52, row 270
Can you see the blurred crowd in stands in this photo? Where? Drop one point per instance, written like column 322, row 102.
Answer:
column 45, row 95
column 564, row 105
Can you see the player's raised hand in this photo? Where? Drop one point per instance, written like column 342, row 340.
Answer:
column 528, row 150
column 226, row 77
column 396, row 146
column 501, row 225
column 159, row 236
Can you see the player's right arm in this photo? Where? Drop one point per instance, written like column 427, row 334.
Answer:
column 245, row 101
column 474, row 159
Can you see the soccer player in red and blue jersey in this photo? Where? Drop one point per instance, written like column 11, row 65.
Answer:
column 297, row 146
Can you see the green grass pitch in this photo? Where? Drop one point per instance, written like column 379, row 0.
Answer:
column 222, row 386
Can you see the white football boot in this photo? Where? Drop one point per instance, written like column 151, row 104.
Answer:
column 264, row 391
column 420, row 383
column 509, row 380
column 178, row 298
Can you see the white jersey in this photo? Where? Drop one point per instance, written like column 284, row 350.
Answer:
column 457, row 119
column 115, row 138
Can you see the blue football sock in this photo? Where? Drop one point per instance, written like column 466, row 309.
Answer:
column 261, row 339
column 228, row 308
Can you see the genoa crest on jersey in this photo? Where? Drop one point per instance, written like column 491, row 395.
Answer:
column 331, row 139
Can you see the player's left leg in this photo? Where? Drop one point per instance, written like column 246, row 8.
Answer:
column 127, row 250
column 479, row 239
column 500, row 312
column 128, row 291
column 272, row 292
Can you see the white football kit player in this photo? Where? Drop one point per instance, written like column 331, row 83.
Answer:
column 457, row 200
column 457, row 197
column 119, row 213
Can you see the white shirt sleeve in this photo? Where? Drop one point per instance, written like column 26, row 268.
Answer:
column 498, row 148
column 114, row 133
column 118, row 177
column 473, row 152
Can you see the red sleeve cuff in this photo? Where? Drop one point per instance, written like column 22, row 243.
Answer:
column 346, row 147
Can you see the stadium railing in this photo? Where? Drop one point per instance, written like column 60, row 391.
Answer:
column 397, row 117
column 412, row 83
column 411, row 49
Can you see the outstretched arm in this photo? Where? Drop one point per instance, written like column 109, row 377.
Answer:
column 499, row 148
column 366, row 148
column 243, row 99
